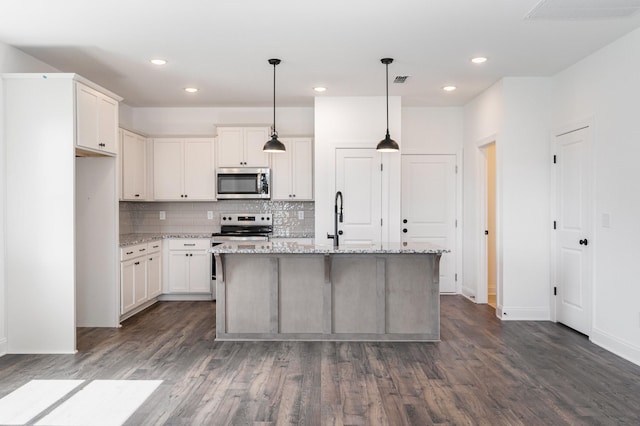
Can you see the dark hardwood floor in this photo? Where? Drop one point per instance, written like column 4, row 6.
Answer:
column 484, row 371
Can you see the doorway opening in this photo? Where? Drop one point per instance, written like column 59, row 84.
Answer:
column 490, row 152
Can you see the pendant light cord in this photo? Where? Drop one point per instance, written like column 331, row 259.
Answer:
column 387, row 81
column 275, row 132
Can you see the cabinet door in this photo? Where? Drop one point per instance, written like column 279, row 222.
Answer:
column 199, row 169
column 154, row 282
column 178, row 271
column 134, row 170
column 87, row 116
column 302, row 169
column 199, row 272
column 230, row 147
column 140, row 280
column 168, row 169
column 107, row 124
column 254, row 140
column 127, row 280
column 281, row 174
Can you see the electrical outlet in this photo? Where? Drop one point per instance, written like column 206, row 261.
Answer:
column 163, row 215
column 210, row 215
column 301, row 214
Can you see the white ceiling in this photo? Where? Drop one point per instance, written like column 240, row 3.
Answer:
column 222, row 46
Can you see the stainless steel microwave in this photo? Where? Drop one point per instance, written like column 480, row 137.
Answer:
column 243, row 183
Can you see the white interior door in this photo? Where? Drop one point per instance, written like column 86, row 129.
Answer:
column 573, row 250
column 429, row 208
column 359, row 177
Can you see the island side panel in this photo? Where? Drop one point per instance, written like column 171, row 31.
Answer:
column 354, row 287
column 412, row 294
column 249, row 281
column 301, row 293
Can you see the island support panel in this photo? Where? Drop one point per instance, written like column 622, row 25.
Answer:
column 339, row 297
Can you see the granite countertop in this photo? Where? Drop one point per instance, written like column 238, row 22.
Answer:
column 275, row 247
column 132, row 239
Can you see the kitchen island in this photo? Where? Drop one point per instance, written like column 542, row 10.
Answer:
column 289, row 291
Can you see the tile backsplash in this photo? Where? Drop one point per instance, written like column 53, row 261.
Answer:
column 191, row 218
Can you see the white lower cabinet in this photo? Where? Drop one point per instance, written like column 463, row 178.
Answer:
column 189, row 266
column 140, row 275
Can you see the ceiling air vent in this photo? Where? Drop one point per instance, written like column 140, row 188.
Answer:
column 568, row 10
column 400, row 79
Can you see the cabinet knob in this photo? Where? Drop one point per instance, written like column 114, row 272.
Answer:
column 405, row 230
column 294, row 195
column 185, row 195
column 404, row 221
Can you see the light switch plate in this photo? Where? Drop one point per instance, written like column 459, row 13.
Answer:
column 210, row 215
column 300, row 214
column 163, row 215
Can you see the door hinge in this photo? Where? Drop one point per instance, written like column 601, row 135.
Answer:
column 380, row 221
column 555, row 291
column 456, row 223
column 455, row 277
column 486, row 232
column 555, row 159
column 456, row 169
column 554, row 224
column 381, row 167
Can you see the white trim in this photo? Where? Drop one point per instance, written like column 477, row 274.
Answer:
column 459, row 218
column 620, row 347
column 3, row 346
column 514, row 313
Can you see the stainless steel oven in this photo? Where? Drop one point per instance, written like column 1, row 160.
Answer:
column 243, row 183
column 249, row 227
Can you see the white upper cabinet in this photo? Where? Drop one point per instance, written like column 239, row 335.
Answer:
column 134, row 166
column 97, row 120
column 242, row 147
column 183, row 169
column 292, row 174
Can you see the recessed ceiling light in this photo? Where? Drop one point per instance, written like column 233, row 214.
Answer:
column 320, row 89
column 158, row 61
column 479, row 60
column 190, row 89
column 449, row 88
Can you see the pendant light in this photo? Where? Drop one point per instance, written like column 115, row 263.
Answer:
column 274, row 145
column 387, row 144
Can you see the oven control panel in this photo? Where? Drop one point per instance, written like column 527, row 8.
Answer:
column 247, row 219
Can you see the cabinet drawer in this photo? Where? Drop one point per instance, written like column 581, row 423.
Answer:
column 189, row 244
column 154, row 246
column 130, row 252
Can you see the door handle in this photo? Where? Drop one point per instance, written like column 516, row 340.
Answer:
column 583, row 242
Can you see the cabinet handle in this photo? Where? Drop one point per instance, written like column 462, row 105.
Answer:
column 156, row 246
column 129, row 252
column 137, row 195
column 142, row 250
column 137, row 263
column 189, row 245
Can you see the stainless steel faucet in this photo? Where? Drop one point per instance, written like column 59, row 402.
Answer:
column 337, row 217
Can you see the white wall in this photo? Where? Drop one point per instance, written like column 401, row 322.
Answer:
column 524, row 166
column 483, row 123
column 11, row 60
column 356, row 122
column 202, row 121
column 431, row 130
column 605, row 88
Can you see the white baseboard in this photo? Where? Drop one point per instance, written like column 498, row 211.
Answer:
column 511, row 313
column 623, row 349
column 3, row 346
column 180, row 297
